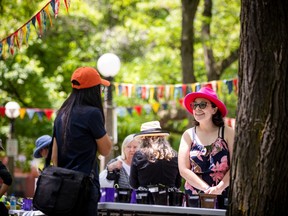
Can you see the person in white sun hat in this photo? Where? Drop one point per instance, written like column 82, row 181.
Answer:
column 156, row 162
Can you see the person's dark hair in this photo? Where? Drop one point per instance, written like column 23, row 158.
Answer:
column 217, row 118
column 88, row 97
column 156, row 148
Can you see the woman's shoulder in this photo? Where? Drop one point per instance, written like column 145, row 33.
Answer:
column 189, row 131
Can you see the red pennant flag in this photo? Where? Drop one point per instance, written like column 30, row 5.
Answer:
column 160, row 92
column 184, row 89
column 181, row 100
column 16, row 39
column 66, row 5
column 143, row 92
column 235, row 83
column 38, row 18
column 48, row 113
column 209, row 85
column 2, row 111
column 138, row 109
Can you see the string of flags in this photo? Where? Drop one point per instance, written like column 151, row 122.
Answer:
column 39, row 21
column 171, row 92
column 164, row 97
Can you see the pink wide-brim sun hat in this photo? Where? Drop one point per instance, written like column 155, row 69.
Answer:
column 207, row 93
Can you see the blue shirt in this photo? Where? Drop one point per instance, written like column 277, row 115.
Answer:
column 86, row 125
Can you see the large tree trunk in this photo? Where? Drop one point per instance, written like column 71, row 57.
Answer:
column 259, row 175
column 189, row 9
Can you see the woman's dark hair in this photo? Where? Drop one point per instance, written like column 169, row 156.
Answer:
column 88, row 96
column 217, row 118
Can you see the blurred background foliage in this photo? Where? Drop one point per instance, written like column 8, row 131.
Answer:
column 146, row 35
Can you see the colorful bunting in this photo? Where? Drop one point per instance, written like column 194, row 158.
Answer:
column 39, row 21
column 171, row 92
column 158, row 96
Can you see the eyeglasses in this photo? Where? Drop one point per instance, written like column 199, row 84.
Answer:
column 202, row 105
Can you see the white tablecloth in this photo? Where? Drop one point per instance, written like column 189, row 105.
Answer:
column 25, row 213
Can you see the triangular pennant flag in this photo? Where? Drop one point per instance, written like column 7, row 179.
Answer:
column 129, row 109
column 22, row 112
column 208, row 85
column 121, row 111
column 138, row 109
column 167, row 91
column 2, row 111
column 184, row 89
column 155, row 106
column 30, row 113
column 143, row 92
column 229, row 84
column 40, row 114
column 1, row 47
column 38, row 18
column 165, row 106
column 151, row 93
column 48, row 113
column 147, row 108
column 160, row 92
column 171, row 91
column 27, row 32
column 66, row 5
column 197, row 87
column 235, row 83
column 16, row 39
column 46, row 9
column 181, row 100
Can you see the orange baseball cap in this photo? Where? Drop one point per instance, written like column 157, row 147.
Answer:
column 87, row 77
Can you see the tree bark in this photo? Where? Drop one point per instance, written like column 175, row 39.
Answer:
column 189, row 9
column 259, row 179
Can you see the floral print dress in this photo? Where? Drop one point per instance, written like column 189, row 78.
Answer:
column 210, row 162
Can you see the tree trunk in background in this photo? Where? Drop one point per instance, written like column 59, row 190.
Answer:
column 189, row 9
column 214, row 69
column 259, row 174
column 207, row 45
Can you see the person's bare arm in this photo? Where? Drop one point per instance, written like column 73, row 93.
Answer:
column 184, row 163
column 104, row 145
column 54, row 153
column 3, row 189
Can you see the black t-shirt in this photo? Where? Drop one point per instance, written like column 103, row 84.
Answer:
column 5, row 175
column 86, row 125
column 144, row 173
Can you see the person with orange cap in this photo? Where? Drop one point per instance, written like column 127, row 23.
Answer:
column 79, row 131
column 205, row 150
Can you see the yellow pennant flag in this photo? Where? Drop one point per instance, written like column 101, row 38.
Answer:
column 22, row 112
column 155, row 106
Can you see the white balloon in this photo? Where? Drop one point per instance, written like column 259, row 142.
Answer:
column 108, row 64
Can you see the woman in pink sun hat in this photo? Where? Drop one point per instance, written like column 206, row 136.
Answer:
column 205, row 150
